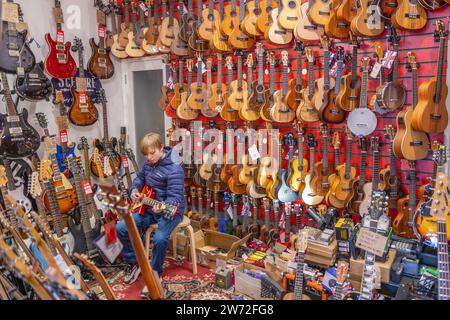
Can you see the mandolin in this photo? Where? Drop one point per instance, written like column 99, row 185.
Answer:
column 249, row 112
column 265, row 18
column 219, row 41
column 116, row 49
column 238, row 98
column 329, row 112
column 308, row 195
column 348, row 97
column 325, row 84
column 300, row 165
column 319, row 11
column 258, row 96
column 100, row 64
column 253, row 11
column 409, row 15
column 59, row 62
column 334, row 179
column 356, row 192
column 279, row 111
column 305, row 30
column 306, row 110
column 289, row 14
column 197, row 97
column 367, row 22
column 409, row 143
column 368, row 187
column 206, row 110
column 275, row 33
column 18, row 138
column 362, row 121
column 430, row 114
column 196, row 42
column 238, row 39
column 294, row 95
column 337, row 27
column 265, row 108
column 208, row 22
column 82, row 112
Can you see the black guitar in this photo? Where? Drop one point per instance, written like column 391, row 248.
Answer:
column 18, row 138
column 14, row 50
column 34, row 85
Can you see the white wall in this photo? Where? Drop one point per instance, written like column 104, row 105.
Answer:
column 38, row 15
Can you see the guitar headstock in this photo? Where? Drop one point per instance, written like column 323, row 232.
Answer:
column 78, row 45
column 325, row 43
column 209, row 64
column 35, row 186
column 41, row 224
column 412, row 63
column 107, row 170
column 412, row 164
column 226, row 197
column 302, row 241
column 348, row 133
column 379, row 204
column 112, row 198
column 440, row 206
column 259, row 49
column 45, row 170
column 229, row 62
column 340, row 53
column 440, row 31
column 378, row 47
column 42, row 120
column 336, row 140
column 96, row 159
column 324, row 130
column 59, row 97
column 299, row 46
column 309, row 54
column 234, row 199
column 375, row 143
column 312, row 143
column 354, row 39
column 271, row 58
column 342, row 271
column 189, row 64
column 290, row 139
column 102, row 96
column 50, row 145
column 365, row 64
column 266, row 204
column 199, row 192
column 393, row 36
column 285, row 57
column 3, row 177
column 88, row 263
column 192, row 191
column 390, row 132
column 363, row 144
column 249, row 62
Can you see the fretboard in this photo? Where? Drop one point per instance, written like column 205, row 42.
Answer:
column 272, row 79
column 285, row 74
column 164, row 9
column 298, row 286
column 241, row 10
column 337, row 86
column 376, row 170
column 249, row 79
column 326, row 70
column 299, row 72
column 189, row 82
column 230, row 79
column 440, row 69
column 221, row 8
column 54, row 208
column 311, row 160
column 10, row 108
column 105, row 123
column 239, row 74
column 363, row 96
column 412, row 189
column 219, row 75
column 348, row 158
column 311, row 79
column 354, row 65
column 362, row 175
column 415, row 88
column 300, row 151
column 443, row 265
column 325, row 155
column 395, row 66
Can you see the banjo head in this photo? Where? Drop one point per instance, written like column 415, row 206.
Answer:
column 362, row 121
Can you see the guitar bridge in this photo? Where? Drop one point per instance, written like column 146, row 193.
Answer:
column 15, row 131
column 324, row 13
column 14, row 53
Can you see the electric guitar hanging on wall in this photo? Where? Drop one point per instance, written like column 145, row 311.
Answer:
column 59, row 62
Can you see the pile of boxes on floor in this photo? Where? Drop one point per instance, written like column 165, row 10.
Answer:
column 256, row 271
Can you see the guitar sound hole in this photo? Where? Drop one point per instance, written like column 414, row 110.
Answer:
column 292, row 4
column 210, row 17
column 257, row 12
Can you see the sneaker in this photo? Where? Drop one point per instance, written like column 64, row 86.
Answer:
column 132, row 272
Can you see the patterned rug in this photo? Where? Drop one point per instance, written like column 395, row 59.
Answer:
column 177, row 277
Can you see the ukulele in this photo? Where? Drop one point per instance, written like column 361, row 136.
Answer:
column 306, row 111
column 368, row 187
column 238, row 98
column 393, row 94
column 179, row 87
column 140, row 8
column 406, row 206
column 308, row 195
column 285, row 193
column 219, row 42
column 367, row 22
column 248, row 112
column 116, row 49
column 334, row 179
column 409, row 15
column 248, row 167
column 319, row 182
column 249, row 26
column 348, row 97
column 82, row 112
column 258, row 94
column 279, row 111
column 319, row 11
column 294, row 95
column 100, row 64
column 325, row 84
column 152, row 32
column 265, row 18
column 206, row 110
column 18, row 138
column 301, row 245
column 59, row 62
column 346, row 174
column 184, row 111
column 179, row 47
column 168, row 25
column 227, row 113
column 238, row 39
column 362, row 121
column 200, row 203
column 299, row 167
column 337, row 27
column 356, row 192
column 208, row 22
column 347, row 10
column 265, row 108
column 374, row 103
column 231, row 18
column 268, row 167
column 125, row 27
column 197, row 99
column 275, row 33
column 277, row 174
column 195, row 40
column 305, row 30
column 430, row 114
column 132, row 48
column 289, row 14
column 261, row 174
column 329, row 112
column 234, row 201
column 254, row 229
column 34, row 85
column 186, row 18
column 409, row 143
column 273, row 232
column 224, row 218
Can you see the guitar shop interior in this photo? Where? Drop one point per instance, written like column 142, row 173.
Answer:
column 224, row 150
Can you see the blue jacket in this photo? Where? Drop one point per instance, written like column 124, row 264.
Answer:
column 166, row 177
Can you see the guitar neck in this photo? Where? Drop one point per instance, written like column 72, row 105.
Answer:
column 300, row 152
column 354, row 64
column 298, row 286
column 348, row 158
column 326, row 68
column 284, row 85
column 239, row 74
column 325, row 156
column 369, row 267
column 376, row 170
column 10, row 107
column 10, row 212
column 54, row 208
column 249, row 79
column 395, row 66
column 363, row 96
column 415, row 88
column 105, row 123
column 437, row 97
column 412, row 189
column 362, row 175
column 311, row 79
column 337, row 86
column 443, row 264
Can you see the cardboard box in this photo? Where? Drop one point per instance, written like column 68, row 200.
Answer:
column 248, row 285
column 322, row 250
column 320, row 260
column 207, row 241
column 357, row 266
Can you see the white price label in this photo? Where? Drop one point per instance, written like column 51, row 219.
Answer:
column 230, row 212
column 254, row 153
column 375, row 70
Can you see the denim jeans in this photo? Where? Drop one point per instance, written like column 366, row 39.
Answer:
column 160, row 239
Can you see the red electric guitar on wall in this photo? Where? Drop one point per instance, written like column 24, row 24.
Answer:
column 59, row 62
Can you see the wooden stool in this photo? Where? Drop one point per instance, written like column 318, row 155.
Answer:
column 185, row 224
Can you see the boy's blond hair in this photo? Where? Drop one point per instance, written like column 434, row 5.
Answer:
column 151, row 140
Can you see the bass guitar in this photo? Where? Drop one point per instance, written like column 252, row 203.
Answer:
column 59, row 62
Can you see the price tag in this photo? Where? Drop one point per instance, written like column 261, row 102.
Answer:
column 230, row 212
column 219, row 108
column 101, row 17
column 388, row 59
column 83, row 97
column 87, row 187
column 10, row 12
column 203, row 66
column 375, row 70
column 371, row 241
column 143, row 7
column 63, row 137
column 60, row 36
column 101, row 31
column 333, row 70
column 125, row 161
column 81, row 84
column 253, row 152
